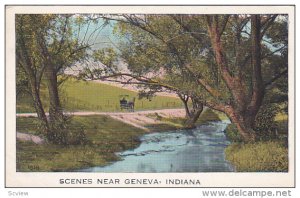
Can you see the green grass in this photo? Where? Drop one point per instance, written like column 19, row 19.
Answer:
column 104, row 141
column 41, row 158
column 281, row 120
column 269, row 156
column 78, row 95
column 261, row 156
column 281, row 116
column 27, row 124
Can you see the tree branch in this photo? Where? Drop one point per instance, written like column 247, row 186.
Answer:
column 141, row 80
column 267, row 24
column 187, row 29
column 223, row 25
column 209, row 89
column 270, row 82
column 62, row 40
column 273, row 52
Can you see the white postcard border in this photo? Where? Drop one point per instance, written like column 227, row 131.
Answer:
column 52, row 179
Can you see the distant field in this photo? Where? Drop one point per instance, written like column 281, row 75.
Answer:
column 93, row 96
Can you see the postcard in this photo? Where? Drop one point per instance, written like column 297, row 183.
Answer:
column 150, row 96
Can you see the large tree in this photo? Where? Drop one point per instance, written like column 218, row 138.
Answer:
column 29, row 66
column 45, row 46
column 246, row 86
column 225, row 59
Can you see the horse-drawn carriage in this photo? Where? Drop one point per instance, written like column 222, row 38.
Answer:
column 127, row 104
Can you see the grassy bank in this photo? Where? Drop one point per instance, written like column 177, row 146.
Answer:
column 93, row 96
column 104, row 141
column 268, row 156
column 261, row 156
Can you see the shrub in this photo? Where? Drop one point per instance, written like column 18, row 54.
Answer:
column 232, row 133
column 63, row 131
column 269, row 156
column 265, row 125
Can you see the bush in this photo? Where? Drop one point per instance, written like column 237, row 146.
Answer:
column 269, row 156
column 232, row 133
column 64, row 132
column 265, row 125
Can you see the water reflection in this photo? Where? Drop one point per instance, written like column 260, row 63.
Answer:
column 195, row 150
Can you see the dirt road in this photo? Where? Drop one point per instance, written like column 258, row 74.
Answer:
column 163, row 112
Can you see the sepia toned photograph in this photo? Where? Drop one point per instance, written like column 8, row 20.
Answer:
column 140, row 93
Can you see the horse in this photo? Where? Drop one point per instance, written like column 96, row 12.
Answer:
column 131, row 104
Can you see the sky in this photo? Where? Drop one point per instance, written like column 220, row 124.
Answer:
column 100, row 34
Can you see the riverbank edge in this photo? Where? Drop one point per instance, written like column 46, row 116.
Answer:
column 86, row 154
column 259, row 156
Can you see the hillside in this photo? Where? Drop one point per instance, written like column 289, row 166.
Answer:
column 94, row 96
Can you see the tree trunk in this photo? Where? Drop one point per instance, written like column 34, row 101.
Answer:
column 193, row 114
column 243, row 124
column 187, row 110
column 257, row 81
column 185, row 99
column 234, row 83
column 33, row 77
column 191, row 121
column 55, row 110
column 242, row 111
column 38, row 105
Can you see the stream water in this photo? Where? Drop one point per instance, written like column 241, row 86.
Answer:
column 194, row 150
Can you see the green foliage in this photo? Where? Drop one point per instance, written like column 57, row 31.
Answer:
column 269, row 156
column 270, row 125
column 106, row 56
column 45, row 46
column 65, row 132
column 232, row 133
column 46, row 39
column 265, row 124
column 182, row 50
column 164, row 49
